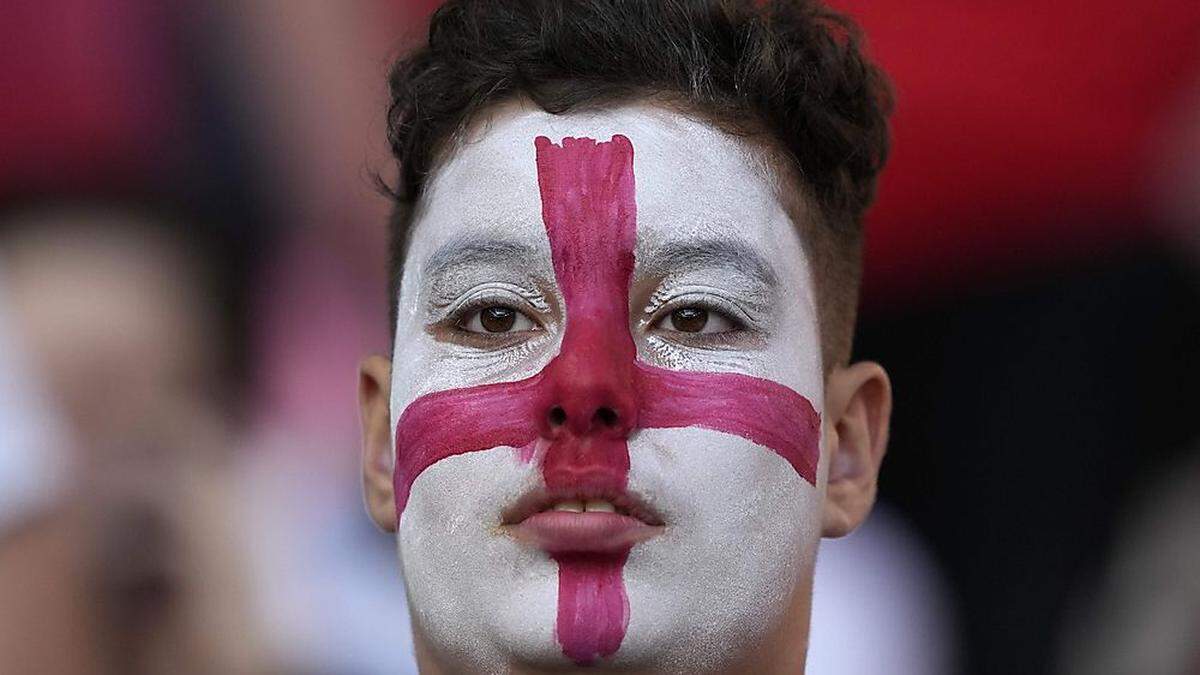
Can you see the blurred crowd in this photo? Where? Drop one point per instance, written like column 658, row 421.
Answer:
column 192, row 259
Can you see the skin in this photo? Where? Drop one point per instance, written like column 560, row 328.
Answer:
column 722, row 283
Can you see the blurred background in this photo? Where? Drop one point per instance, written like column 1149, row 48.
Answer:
column 192, row 262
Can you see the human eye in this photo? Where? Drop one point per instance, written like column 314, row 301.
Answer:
column 495, row 319
column 699, row 316
column 493, row 315
column 698, row 320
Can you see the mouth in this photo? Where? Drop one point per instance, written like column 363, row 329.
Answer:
column 561, row 522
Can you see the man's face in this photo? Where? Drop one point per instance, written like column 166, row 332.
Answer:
column 606, row 390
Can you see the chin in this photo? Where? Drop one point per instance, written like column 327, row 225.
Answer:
column 737, row 539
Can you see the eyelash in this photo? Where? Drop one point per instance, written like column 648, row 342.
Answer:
column 732, row 337
column 661, row 311
column 740, row 322
column 467, row 308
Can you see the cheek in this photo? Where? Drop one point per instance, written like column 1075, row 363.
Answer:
column 471, row 584
column 742, row 537
column 712, row 486
column 423, row 365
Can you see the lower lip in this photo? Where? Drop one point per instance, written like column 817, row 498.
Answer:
column 587, row 532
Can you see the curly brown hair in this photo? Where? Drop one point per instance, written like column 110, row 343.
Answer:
column 791, row 71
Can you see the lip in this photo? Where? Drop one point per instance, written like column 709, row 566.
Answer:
column 531, row 521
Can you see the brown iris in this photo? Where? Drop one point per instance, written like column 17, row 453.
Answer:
column 497, row 319
column 689, row 319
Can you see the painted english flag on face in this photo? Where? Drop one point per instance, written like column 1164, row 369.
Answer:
column 587, row 401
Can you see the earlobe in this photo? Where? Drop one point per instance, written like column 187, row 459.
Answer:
column 858, row 409
column 374, row 402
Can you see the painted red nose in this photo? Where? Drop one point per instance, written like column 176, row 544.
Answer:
column 590, row 401
column 586, row 418
column 589, row 410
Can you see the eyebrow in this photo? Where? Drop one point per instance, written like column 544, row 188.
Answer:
column 477, row 251
column 730, row 254
column 674, row 256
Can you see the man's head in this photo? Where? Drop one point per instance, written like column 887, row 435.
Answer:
column 625, row 263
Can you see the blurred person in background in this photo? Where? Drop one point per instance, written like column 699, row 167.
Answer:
column 136, row 567
column 238, row 112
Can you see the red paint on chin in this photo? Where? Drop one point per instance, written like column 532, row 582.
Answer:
column 593, row 609
column 585, row 403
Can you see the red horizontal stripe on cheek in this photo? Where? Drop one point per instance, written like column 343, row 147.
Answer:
column 759, row 410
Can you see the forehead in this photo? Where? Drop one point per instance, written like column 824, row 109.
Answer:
column 693, row 181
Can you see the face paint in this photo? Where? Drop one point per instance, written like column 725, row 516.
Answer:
column 575, row 420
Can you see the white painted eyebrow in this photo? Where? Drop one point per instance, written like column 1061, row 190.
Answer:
column 478, row 251
column 732, row 254
column 672, row 257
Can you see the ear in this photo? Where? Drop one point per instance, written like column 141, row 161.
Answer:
column 374, row 403
column 858, row 405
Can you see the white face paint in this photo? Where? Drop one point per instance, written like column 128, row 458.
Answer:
column 741, row 526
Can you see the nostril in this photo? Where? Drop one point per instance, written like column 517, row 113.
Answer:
column 557, row 416
column 606, row 417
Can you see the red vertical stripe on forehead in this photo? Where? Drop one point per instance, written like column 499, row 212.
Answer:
column 590, row 214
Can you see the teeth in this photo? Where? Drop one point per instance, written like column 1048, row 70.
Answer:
column 579, row 506
column 574, row 506
column 599, row 505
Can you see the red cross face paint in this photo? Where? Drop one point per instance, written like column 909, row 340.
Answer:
column 605, row 376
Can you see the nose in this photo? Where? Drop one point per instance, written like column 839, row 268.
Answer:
column 586, row 420
column 588, row 416
column 586, row 405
